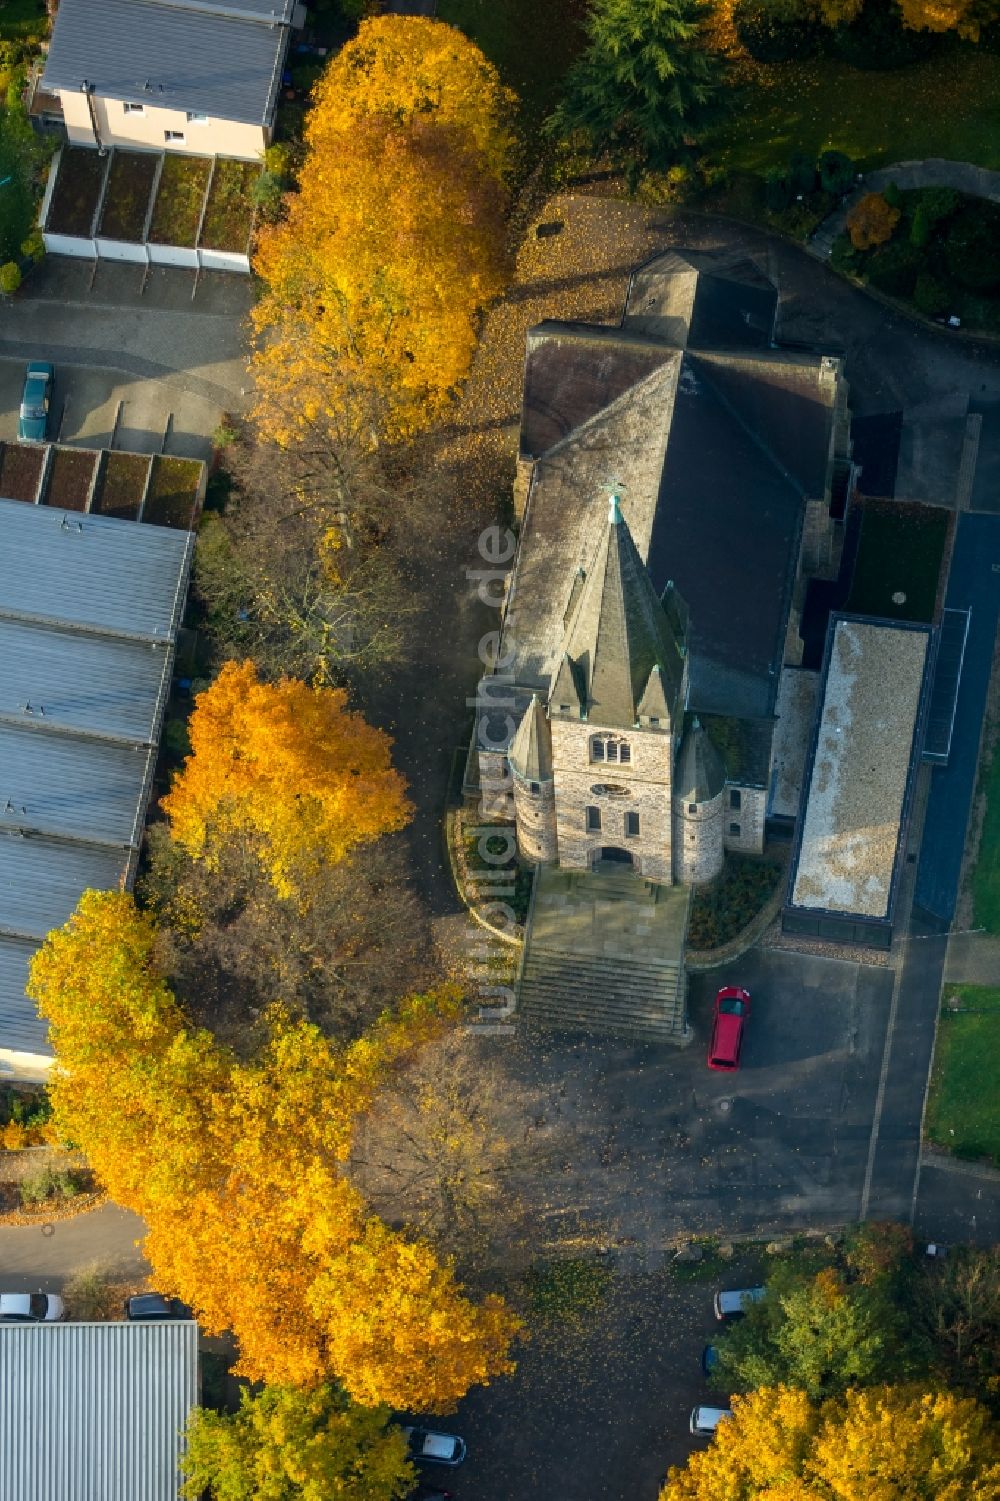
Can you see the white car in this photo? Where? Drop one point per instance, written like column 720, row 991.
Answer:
column 733, row 1303
column 427, row 1447
column 705, row 1420
column 30, row 1308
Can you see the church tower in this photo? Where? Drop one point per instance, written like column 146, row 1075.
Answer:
column 699, row 787
column 530, row 760
column 615, row 706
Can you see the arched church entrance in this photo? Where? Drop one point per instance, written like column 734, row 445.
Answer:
column 611, row 854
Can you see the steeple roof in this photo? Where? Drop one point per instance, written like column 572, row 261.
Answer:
column 530, row 753
column 700, row 775
column 617, row 635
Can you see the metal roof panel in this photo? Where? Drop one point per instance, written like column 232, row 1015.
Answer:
column 21, row 1028
column 41, row 881
column 79, row 789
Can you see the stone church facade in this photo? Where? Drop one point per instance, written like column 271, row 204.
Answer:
column 674, row 490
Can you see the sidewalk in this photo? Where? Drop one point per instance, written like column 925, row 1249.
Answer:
column 31, row 1259
column 935, row 172
column 973, row 959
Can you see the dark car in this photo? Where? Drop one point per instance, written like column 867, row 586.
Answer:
column 155, row 1306
column 732, row 1008
column 429, row 1447
column 36, row 398
column 426, row 1491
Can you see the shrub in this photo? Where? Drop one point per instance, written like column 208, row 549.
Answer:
column 872, row 221
column 802, row 174
column 843, row 256
column 34, row 246
column 777, row 190
column 972, row 246
column 878, row 40
column 10, row 278
column 931, row 295
column 894, row 268
column 933, row 206
column 836, row 172
column 892, row 195
column 775, row 33
column 49, row 1183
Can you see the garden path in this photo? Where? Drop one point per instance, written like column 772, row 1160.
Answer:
column 935, row 172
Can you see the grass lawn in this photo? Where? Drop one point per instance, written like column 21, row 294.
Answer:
column 900, row 553
column 986, row 876
column 963, row 1107
column 948, row 106
column 531, row 43
column 21, row 19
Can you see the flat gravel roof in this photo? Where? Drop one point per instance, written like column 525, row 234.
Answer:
column 861, row 764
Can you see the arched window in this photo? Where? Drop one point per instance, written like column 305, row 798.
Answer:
column 611, row 749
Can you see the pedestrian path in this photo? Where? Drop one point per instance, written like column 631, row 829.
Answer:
column 973, row 959
column 935, row 172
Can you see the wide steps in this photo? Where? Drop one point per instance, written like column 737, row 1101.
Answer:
column 603, row 994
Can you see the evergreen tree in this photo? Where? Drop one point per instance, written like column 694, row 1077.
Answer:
column 646, row 84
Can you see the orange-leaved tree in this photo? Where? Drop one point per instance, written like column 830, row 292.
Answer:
column 879, row 1444
column 395, row 240
column 966, row 17
column 288, row 769
column 871, row 221
column 236, row 1165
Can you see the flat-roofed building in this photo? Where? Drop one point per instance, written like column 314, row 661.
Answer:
column 95, row 1412
column 89, row 612
column 859, row 781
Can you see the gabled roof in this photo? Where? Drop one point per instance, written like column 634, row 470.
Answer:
column 222, row 58
column 697, row 300
column 619, row 632
column 530, row 752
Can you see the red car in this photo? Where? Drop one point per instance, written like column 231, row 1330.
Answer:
column 732, row 1007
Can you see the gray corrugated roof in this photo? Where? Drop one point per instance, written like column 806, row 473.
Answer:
column 21, row 1028
column 41, row 881
column 95, row 1412
column 79, row 789
column 206, row 61
column 111, row 576
column 95, row 684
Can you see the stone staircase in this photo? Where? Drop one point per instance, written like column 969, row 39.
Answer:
column 605, row 954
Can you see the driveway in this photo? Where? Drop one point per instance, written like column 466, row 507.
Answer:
column 153, row 365
column 36, row 1257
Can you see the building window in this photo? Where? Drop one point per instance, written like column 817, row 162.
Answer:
column 196, row 119
column 593, row 820
column 610, row 748
column 134, row 109
column 653, row 722
column 173, row 136
column 535, row 787
column 631, row 825
column 734, row 828
column 692, row 807
column 734, row 799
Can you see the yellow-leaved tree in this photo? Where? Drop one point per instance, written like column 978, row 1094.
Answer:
column 886, row 1443
column 288, row 769
column 374, row 280
column 964, row 16
column 236, row 1165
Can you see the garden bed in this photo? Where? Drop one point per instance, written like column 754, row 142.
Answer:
column 77, row 191
column 173, row 492
column 121, row 485
column 899, row 560
column 126, row 202
column 230, row 210
column 69, row 477
column 179, row 199
column 963, row 1106
column 722, row 909
column 20, row 471
column 940, row 256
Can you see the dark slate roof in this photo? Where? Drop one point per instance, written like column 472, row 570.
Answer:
column 697, row 300
column 220, row 59
column 572, row 371
column 619, row 632
column 700, row 775
column 531, row 749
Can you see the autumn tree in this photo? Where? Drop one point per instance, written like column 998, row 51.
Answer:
column 394, row 242
column 957, row 1305
column 286, row 1444
column 871, row 221
column 966, row 17
column 646, row 84
column 286, row 768
column 898, row 1443
column 237, row 1167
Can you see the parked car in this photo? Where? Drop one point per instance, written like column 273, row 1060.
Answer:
column 705, row 1420
column 709, row 1360
column 732, row 1008
column 30, row 1308
column 732, row 1304
column 423, row 1491
column 155, row 1306
column 428, row 1447
column 36, row 398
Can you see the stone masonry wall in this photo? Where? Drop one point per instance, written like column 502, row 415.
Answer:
column 536, row 821
column 496, row 798
column 749, row 817
column 698, row 839
column 647, row 779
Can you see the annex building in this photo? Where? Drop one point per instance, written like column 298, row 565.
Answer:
column 89, row 612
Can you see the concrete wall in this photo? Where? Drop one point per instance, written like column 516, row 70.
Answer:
column 698, row 839
column 536, row 821
column 749, row 818
column 147, row 131
column 646, row 780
